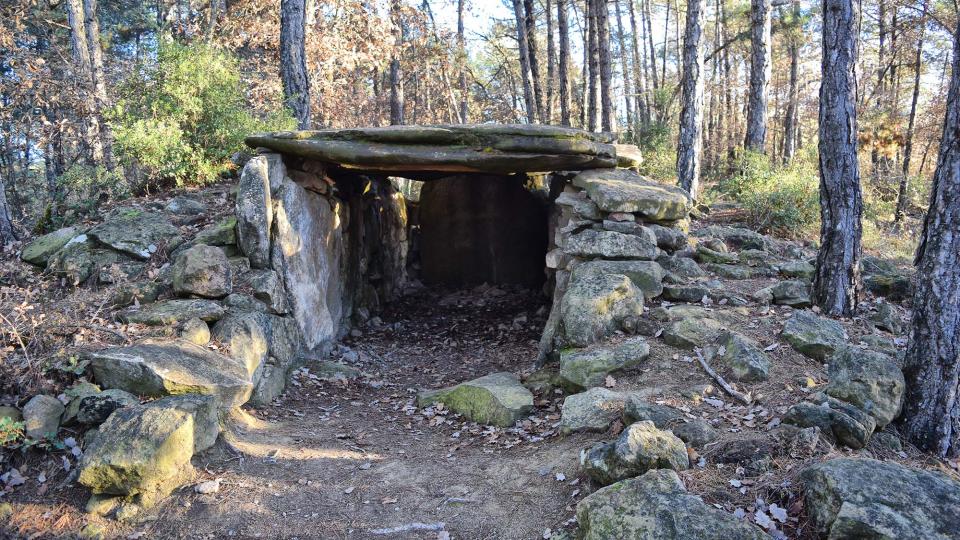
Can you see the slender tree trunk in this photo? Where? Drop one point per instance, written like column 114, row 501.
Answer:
column 911, row 123
column 462, row 61
column 7, row 233
column 594, row 66
column 99, row 81
column 931, row 410
column 551, row 63
column 585, row 72
column 666, row 42
column 607, row 119
column 564, row 67
column 81, row 54
column 639, row 67
column 530, row 23
column 760, row 69
column 524, row 52
column 653, row 51
column 836, row 284
column 625, row 70
column 293, row 60
column 690, row 141
column 793, row 97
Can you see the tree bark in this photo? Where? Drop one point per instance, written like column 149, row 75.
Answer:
column 293, row 60
column 93, row 123
column 564, row 63
column 551, row 63
column 594, row 66
column 690, row 141
column 760, row 69
column 7, row 233
column 607, row 120
column 791, row 118
column 524, row 53
column 666, row 42
column 931, row 411
column 462, row 61
column 396, row 78
column 625, row 70
column 648, row 23
column 639, row 67
column 530, row 23
column 836, row 284
column 911, row 123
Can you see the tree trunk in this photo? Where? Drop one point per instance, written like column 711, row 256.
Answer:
column 7, row 233
column 760, row 69
column 564, row 63
column 462, row 61
column 911, row 124
column 690, row 141
column 530, row 23
column 625, row 70
column 396, row 78
column 293, row 60
column 639, row 67
column 793, row 97
column 607, row 120
column 551, row 63
column 653, row 51
column 837, row 281
column 666, row 42
column 931, row 410
column 81, row 54
column 594, row 66
column 524, row 53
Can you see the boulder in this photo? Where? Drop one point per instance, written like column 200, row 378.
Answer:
column 185, row 206
column 195, row 331
column 792, row 293
column 870, row 380
column 754, row 453
column 203, row 271
column 268, row 288
column 158, row 368
column 668, row 238
column 308, row 253
column 683, row 267
column 736, row 237
column 41, row 417
column 596, row 305
column 80, row 259
column 704, row 254
column 580, row 206
column 886, row 317
column 12, row 414
column 139, row 452
column 255, row 207
column 745, row 359
column 171, row 312
column 40, row 249
column 497, row 399
column 646, row 275
column 246, row 338
column 866, row 498
column 142, row 292
column 75, row 395
column 640, row 448
column 620, row 190
column 135, row 232
column 656, row 506
column 94, row 409
column 839, row 421
column 203, row 409
column 590, row 367
column 221, row 233
column 895, row 287
column 593, row 410
column 813, row 336
column 610, row 245
column 736, row 271
column 692, row 332
column 797, row 269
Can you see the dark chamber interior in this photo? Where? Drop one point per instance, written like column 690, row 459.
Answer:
column 473, row 229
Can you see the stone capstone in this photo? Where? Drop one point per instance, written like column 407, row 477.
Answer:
column 641, row 447
column 589, row 367
column 656, row 506
column 497, row 399
column 620, row 190
column 866, row 498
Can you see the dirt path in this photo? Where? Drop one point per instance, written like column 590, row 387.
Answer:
column 341, row 459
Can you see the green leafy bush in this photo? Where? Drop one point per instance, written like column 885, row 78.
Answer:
column 11, row 432
column 781, row 199
column 182, row 114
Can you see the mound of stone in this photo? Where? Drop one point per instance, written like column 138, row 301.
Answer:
column 656, row 506
column 497, row 399
column 866, row 498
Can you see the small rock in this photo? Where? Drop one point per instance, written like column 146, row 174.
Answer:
column 41, row 416
column 692, row 332
column 744, row 357
column 195, row 331
column 813, row 336
column 886, row 317
column 203, row 271
column 792, row 293
column 870, row 380
column 589, row 367
column 641, row 447
column 497, row 399
column 207, row 488
column 593, row 410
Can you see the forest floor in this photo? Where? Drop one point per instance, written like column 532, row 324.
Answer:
column 355, row 458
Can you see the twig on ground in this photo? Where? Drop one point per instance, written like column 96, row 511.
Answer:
column 739, row 396
column 439, row 526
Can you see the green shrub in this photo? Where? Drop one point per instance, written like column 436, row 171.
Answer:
column 182, row 114
column 11, row 432
column 785, row 200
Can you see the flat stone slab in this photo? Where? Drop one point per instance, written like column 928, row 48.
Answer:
column 497, row 399
column 160, row 368
column 479, row 148
column 622, row 190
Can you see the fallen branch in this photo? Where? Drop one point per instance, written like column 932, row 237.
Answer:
column 739, row 396
column 439, row 526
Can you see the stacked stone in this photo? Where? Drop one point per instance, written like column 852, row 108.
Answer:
column 612, row 230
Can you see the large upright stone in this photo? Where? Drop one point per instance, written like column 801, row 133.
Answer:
column 620, row 190
column 159, row 368
column 596, row 305
column 255, row 208
column 813, row 336
column 136, row 232
column 308, row 253
column 646, row 275
column 656, row 506
column 497, row 399
column 866, row 498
